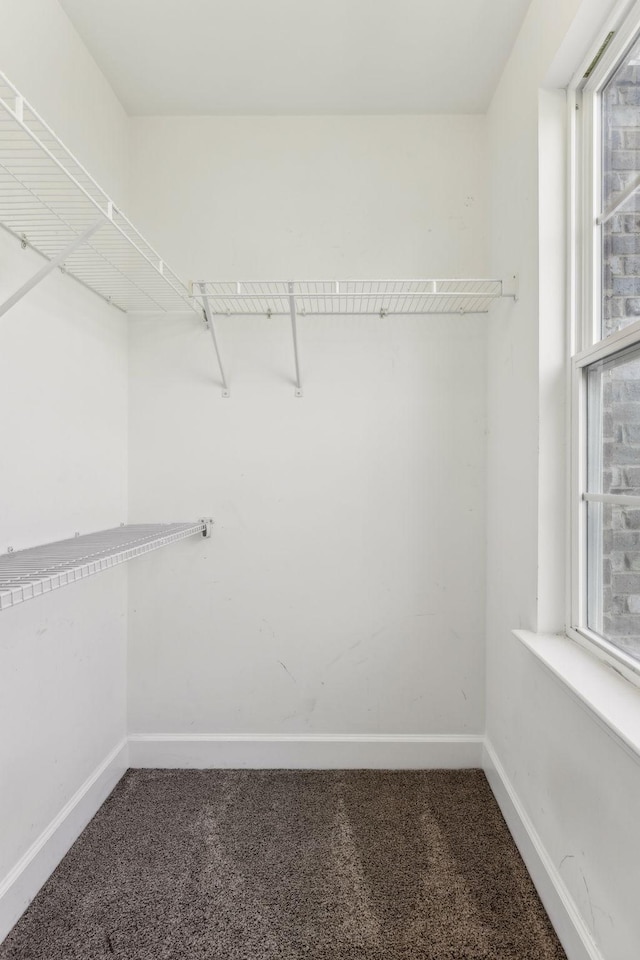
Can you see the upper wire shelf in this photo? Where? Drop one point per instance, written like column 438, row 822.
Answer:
column 50, row 202
column 25, row 574
column 361, row 297
column 295, row 298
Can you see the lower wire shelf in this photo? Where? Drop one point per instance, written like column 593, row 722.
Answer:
column 25, row 574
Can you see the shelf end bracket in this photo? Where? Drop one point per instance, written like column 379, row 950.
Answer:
column 208, row 524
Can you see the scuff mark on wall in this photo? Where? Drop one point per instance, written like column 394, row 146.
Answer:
column 284, row 667
column 593, row 919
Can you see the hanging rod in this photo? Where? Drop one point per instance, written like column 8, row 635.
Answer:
column 25, row 574
column 52, row 204
column 297, row 298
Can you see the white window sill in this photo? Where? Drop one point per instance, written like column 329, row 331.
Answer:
column 613, row 701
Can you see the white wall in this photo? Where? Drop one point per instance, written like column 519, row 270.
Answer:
column 63, row 382
column 342, row 590
column 579, row 788
column 309, row 197
column 63, row 467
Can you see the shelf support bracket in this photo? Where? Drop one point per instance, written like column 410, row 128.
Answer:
column 209, row 318
column 208, row 524
column 294, row 330
column 51, row 265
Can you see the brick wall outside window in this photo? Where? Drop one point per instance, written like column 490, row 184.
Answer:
column 621, row 387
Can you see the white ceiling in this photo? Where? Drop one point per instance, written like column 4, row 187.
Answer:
column 299, row 56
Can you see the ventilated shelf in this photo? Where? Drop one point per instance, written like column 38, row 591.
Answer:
column 296, row 298
column 363, row 297
column 50, row 202
column 25, row 574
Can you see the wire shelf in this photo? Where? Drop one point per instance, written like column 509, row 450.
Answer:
column 48, row 200
column 25, row 574
column 362, row 297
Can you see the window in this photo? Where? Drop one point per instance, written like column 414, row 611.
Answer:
column 606, row 364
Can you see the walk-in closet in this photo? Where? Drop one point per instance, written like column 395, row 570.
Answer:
column 319, row 479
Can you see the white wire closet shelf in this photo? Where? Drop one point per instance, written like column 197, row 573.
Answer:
column 295, row 298
column 361, row 297
column 50, row 202
column 25, row 574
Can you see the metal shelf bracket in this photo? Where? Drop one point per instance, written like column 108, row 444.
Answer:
column 294, row 331
column 51, row 265
column 208, row 526
column 212, row 330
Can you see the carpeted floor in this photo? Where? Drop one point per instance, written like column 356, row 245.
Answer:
column 282, row 865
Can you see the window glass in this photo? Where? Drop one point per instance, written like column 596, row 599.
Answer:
column 620, row 174
column 613, row 530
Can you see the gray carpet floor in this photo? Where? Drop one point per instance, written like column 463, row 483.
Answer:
column 282, row 865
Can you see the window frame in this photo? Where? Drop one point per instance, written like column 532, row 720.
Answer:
column 585, row 346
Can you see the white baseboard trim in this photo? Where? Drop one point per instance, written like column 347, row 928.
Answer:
column 572, row 931
column 20, row 886
column 297, row 751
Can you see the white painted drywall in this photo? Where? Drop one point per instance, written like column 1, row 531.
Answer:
column 63, row 388
column 312, row 197
column 342, row 590
column 62, row 707
column 578, row 786
column 63, row 462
